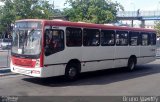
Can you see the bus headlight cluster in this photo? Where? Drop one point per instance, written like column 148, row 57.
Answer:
column 37, row 63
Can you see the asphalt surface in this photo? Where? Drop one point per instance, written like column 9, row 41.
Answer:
column 143, row 81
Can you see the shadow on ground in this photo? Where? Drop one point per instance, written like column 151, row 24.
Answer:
column 99, row 77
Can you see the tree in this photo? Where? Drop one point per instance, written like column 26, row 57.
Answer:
column 94, row 11
column 23, row 9
column 6, row 17
column 157, row 27
column 58, row 12
column 32, row 9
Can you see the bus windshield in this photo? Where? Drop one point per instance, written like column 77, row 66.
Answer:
column 26, row 42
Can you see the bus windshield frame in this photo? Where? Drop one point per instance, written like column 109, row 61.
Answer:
column 27, row 40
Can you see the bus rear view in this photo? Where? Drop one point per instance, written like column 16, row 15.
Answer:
column 26, row 48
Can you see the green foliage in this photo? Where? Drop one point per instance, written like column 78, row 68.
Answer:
column 23, row 9
column 94, row 11
column 157, row 27
column 7, row 15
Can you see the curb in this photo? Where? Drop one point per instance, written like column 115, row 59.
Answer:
column 4, row 69
column 6, row 72
column 157, row 57
column 3, row 50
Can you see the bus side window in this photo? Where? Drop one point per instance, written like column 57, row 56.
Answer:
column 152, row 38
column 73, row 37
column 121, row 38
column 133, row 38
column 91, row 37
column 145, row 39
column 107, row 38
column 54, row 41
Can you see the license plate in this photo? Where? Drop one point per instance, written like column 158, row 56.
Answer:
column 23, row 71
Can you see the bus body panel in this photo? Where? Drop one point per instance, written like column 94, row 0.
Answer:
column 147, row 54
column 97, row 58
column 123, row 53
column 145, row 60
column 121, row 56
column 62, row 58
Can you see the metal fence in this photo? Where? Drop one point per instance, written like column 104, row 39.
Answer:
column 4, row 58
column 135, row 13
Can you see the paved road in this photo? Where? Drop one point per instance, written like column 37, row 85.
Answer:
column 145, row 80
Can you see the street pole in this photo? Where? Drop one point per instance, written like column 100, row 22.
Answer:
column 8, row 59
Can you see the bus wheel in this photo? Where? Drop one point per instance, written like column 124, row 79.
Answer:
column 71, row 72
column 131, row 64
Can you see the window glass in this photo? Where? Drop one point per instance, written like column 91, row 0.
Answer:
column 133, row 38
column 91, row 37
column 152, row 39
column 145, row 40
column 73, row 37
column 54, row 41
column 28, row 24
column 121, row 38
column 26, row 42
column 107, row 37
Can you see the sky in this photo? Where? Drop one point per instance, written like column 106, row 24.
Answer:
column 129, row 5
column 144, row 5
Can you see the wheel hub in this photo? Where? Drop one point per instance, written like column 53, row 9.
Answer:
column 132, row 65
column 72, row 72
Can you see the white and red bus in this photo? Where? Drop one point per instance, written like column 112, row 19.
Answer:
column 45, row 48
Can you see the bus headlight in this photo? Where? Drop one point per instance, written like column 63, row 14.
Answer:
column 37, row 63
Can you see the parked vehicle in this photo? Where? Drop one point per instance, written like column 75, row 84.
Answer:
column 5, row 43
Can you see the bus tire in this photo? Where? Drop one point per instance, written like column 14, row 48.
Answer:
column 131, row 64
column 71, row 72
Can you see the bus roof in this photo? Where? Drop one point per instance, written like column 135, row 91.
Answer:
column 87, row 25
